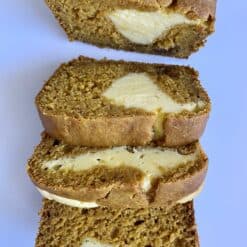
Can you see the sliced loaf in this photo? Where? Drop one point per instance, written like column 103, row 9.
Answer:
column 108, row 103
column 64, row 226
column 123, row 176
column 166, row 27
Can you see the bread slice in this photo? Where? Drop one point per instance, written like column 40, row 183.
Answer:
column 64, row 226
column 166, row 27
column 117, row 177
column 108, row 103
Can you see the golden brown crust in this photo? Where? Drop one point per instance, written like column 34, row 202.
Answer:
column 201, row 8
column 132, row 129
column 100, row 132
column 180, row 130
column 179, row 189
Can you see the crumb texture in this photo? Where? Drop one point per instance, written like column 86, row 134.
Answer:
column 77, row 88
column 63, row 226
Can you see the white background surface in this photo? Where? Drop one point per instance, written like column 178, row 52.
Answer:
column 32, row 46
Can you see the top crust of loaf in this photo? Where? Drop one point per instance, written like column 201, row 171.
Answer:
column 95, row 122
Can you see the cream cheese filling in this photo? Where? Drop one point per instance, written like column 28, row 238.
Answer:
column 152, row 161
column 138, row 90
column 144, row 28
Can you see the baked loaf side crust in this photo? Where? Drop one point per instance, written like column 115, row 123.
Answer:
column 166, row 227
column 201, row 8
column 100, row 132
column 87, row 22
column 180, row 130
column 135, row 129
column 116, row 187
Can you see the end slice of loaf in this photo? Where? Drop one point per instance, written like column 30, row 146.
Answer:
column 116, row 177
column 165, row 27
column 64, row 226
column 108, row 103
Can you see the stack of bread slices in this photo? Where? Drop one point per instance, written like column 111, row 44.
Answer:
column 119, row 162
